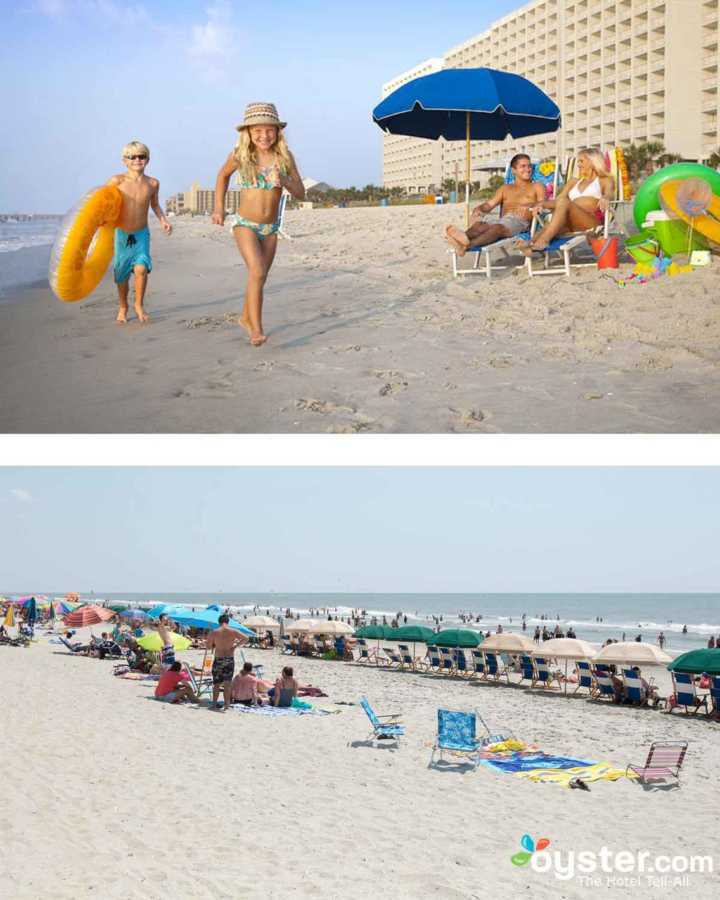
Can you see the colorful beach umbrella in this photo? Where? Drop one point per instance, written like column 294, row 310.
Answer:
column 458, row 637
column 153, row 642
column 206, row 619
column 135, row 615
column 695, row 662
column 468, row 104
column 87, row 615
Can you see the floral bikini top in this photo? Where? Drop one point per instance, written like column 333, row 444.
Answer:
column 268, row 177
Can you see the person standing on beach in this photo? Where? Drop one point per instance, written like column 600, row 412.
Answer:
column 265, row 166
column 223, row 642
column 167, row 654
column 661, row 640
column 132, row 236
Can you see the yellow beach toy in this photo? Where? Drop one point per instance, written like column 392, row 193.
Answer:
column 706, row 219
column 84, row 245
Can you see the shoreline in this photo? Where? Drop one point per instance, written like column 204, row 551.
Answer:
column 368, row 332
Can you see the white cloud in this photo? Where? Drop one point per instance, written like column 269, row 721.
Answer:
column 213, row 44
column 22, row 495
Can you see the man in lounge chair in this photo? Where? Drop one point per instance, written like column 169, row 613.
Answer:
column 516, row 200
column 223, row 642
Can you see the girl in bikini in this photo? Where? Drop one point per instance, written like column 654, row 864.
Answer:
column 580, row 206
column 265, row 166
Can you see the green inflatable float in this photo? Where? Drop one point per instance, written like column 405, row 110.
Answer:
column 648, row 196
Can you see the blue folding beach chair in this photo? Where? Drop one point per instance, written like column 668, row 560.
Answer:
column 686, row 694
column 434, row 659
column 715, row 696
column 456, row 734
column 585, row 679
column 604, row 682
column 634, row 690
column 527, row 669
column 478, row 664
column 383, row 731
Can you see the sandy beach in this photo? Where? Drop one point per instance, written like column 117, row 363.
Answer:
column 368, row 332
column 107, row 792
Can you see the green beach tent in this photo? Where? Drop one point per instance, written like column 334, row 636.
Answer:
column 458, row 637
column 695, row 662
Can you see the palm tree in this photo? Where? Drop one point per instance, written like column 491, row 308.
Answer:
column 714, row 160
column 643, row 159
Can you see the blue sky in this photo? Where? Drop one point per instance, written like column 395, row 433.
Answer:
column 82, row 77
column 347, row 529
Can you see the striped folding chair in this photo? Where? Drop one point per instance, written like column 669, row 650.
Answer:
column 665, row 759
column 477, row 669
column 434, row 660
column 527, row 669
column 686, row 694
column 585, row 677
column 448, row 663
column 604, row 683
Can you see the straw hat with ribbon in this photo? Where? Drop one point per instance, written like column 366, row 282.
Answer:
column 260, row 114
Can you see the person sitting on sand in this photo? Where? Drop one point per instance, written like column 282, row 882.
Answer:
column 580, row 206
column 265, row 166
column 516, row 199
column 173, row 687
column 132, row 236
column 246, row 687
column 286, row 687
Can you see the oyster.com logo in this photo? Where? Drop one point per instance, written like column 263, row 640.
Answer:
column 529, row 847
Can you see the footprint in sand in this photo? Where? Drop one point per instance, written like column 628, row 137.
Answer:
column 322, row 406
column 471, row 419
column 395, row 382
column 501, row 362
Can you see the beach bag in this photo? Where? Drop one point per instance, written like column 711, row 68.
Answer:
column 605, row 251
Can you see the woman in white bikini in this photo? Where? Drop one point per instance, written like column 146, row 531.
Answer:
column 265, row 166
column 580, row 206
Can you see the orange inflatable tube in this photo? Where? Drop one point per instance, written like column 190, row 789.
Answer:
column 707, row 225
column 84, row 245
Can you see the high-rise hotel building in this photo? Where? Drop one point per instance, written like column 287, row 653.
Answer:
column 621, row 71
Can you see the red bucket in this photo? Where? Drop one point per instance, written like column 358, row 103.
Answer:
column 605, row 251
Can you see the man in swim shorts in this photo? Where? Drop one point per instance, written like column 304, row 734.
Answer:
column 132, row 236
column 223, row 642
column 516, row 200
column 167, row 654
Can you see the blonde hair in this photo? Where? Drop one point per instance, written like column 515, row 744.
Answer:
column 596, row 160
column 135, row 147
column 245, row 155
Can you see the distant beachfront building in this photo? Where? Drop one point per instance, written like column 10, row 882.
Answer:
column 621, row 71
column 200, row 201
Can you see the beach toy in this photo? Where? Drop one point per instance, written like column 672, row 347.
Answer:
column 648, row 198
column 642, row 247
column 692, row 201
column 84, row 246
column 605, row 251
column 623, row 175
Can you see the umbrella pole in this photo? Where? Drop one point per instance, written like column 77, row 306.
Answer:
column 467, row 170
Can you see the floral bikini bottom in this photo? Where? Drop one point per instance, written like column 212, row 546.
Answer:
column 261, row 230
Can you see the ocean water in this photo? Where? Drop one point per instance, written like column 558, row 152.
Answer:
column 25, row 251
column 632, row 614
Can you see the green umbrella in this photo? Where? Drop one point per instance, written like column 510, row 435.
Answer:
column 695, row 662
column 375, row 632
column 458, row 637
column 416, row 633
column 117, row 607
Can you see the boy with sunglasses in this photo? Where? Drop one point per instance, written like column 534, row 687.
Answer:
column 132, row 236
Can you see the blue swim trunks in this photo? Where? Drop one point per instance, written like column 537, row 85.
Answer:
column 131, row 249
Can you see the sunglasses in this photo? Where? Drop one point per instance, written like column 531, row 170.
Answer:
column 138, row 156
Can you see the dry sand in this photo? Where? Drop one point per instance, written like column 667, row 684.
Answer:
column 108, row 793
column 368, row 332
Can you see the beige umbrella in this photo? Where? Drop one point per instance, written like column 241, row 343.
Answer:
column 261, row 622
column 508, row 643
column 332, row 628
column 305, row 625
column 633, row 652
column 566, row 648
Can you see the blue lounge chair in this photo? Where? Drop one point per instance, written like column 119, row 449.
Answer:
column 604, row 683
column 365, row 654
column 287, row 646
column 493, row 668
column 634, row 690
column 408, row 660
column 394, row 660
column 434, row 660
column 383, row 730
column 686, row 694
column 585, row 677
column 543, row 675
column 448, row 663
column 456, row 733
column 460, row 662
column 527, row 669
column 478, row 664
column 715, row 696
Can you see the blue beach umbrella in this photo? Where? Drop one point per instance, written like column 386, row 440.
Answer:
column 136, row 615
column 208, row 619
column 470, row 104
